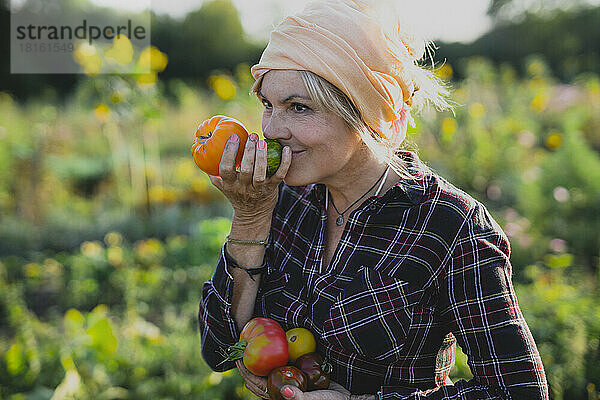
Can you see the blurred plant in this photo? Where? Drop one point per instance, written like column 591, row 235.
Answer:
column 101, row 203
column 137, row 339
column 563, row 313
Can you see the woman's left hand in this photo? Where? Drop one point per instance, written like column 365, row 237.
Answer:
column 256, row 384
column 335, row 392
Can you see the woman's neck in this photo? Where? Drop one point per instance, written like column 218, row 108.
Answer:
column 347, row 186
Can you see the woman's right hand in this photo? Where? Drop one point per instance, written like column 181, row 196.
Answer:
column 249, row 191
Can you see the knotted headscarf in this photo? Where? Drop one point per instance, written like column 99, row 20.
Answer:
column 340, row 41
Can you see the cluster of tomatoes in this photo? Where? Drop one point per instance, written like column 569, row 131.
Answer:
column 287, row 358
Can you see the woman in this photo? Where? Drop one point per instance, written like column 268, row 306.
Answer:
column 384, row 261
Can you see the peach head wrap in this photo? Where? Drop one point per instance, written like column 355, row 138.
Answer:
column 340, row 41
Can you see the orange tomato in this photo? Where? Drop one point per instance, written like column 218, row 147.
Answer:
column 300, row 341
column 211, row 137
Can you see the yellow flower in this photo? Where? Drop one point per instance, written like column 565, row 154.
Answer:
column 477, row 110
column 445, row 72
column 536, row 68
column 149, row 251
column 148, row 79
column 91, row 249
column 121, row 50
column 102, row 112
column 113, row 239
column 554, row 141
column 52, row 267
column 87, row 56
column 538, row 104
column 537, row 84
column 116, row 97
column 449, row 126
column 152, row 59
column 160, row 194
column 223, row 86
column 32, row 270
column 593, row 85
column 115, row 256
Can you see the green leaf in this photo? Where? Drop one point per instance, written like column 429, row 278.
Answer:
column 14, row 359
column 98, row 313
column 103, row 338
column 73, row 322
column 114, row 393
column 559, row 261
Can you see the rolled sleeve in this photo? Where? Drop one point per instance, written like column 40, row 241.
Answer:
column 217, row 326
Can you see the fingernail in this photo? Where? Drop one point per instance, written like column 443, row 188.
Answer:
column 287, row 392
column 262, row 144
column 253, row 137
column 234, row 138
column 287, row 150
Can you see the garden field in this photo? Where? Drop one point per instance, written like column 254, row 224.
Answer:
column 108, row 230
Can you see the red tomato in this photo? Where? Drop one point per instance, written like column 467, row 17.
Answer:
column 316, row 370
column 262, row 346
column 282, row 376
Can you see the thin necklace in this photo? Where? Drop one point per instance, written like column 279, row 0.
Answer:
column 339, row 221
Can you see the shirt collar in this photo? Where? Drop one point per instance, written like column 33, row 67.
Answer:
column 413, row 189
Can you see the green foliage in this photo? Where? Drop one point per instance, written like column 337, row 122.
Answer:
column 208, row 39
column 565, row 35
column 109, row 230
column 561, row 308
column 113, row 320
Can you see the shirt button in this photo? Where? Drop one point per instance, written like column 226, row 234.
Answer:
column 372, row 207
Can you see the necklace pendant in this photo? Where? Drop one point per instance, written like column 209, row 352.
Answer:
column 339, row 221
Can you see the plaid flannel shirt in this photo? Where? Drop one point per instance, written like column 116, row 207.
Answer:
column 417, row 269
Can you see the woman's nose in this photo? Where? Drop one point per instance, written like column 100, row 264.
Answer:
column 275, row 128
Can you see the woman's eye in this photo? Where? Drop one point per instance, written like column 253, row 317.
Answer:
column 299, row 107
column 266, row 103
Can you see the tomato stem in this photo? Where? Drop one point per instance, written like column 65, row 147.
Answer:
column 326, row 366
column 209, row 134
column 236, row 351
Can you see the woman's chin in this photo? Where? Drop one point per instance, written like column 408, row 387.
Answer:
column 289, row 182
column 292, row 179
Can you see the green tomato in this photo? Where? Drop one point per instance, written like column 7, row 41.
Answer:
column 273, row 156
